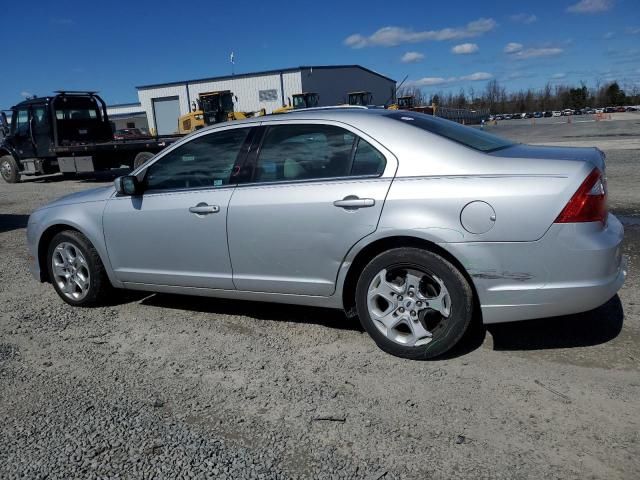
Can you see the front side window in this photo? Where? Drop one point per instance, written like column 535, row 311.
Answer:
column 22, row 122
column 205, row 161
column 304, row 152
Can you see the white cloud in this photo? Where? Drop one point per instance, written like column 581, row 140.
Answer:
column 633, row 30
column 26, row 94
column 412, row 57
column 557, row 76
column 434, row 81
column 465, row 49
column 512, row 47
column 393, row 36
column 537, row 52
column 517, row 50
column 523, row 18
column 591, row 6
column 474, row 77
column 609, row 35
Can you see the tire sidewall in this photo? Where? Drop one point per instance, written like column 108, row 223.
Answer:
column 459, row 291
column 80, row 242
column 15, row 174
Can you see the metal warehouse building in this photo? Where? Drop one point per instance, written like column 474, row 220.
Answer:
column 127, row 115
column 164, row 103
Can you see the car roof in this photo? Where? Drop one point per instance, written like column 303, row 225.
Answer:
column 343, row 114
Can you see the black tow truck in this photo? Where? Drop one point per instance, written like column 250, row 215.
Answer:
column 68, row 132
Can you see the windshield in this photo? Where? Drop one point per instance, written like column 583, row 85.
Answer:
column 468, row 136
column 298, row 101
column 227, row 103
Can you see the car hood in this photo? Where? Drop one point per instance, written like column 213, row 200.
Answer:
column 578, row 154
column 91, row 195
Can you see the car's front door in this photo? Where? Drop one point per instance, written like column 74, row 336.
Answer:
column 175, row 232
column 316, row 190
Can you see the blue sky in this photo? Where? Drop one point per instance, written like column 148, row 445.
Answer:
column 114, row 46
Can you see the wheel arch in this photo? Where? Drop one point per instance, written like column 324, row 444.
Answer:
column 371, row 250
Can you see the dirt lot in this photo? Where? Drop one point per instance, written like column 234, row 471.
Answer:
column 180, row 387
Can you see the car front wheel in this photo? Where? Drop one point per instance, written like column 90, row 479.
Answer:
column 414, row 303
column 76, row 271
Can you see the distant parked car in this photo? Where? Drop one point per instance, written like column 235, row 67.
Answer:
column 632, row 109
column 599, row 110
column 547, row 114
column 128, row 133
column 556, row 113
column 498, row 117
column 589, row 111
column 609, row 109
column 621, row 109
column 508, row 116
column 538, row 114
column 577, row 112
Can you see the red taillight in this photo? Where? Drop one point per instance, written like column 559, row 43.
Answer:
column 589, row 203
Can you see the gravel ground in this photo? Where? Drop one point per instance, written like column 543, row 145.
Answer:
column 161, row 386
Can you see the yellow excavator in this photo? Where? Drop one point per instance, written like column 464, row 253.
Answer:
column 362, row 98
column 300, row 100
column 408, row 102
column 213, row 107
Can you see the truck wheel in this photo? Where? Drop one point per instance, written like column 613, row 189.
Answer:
column 141, row 158
column 9, row 169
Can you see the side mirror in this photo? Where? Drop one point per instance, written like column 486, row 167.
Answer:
column 127, row 185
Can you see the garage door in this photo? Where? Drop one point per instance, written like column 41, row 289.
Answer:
column 166, row 111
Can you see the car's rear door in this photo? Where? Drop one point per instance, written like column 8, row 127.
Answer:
column 175, row 233
column 316, row 189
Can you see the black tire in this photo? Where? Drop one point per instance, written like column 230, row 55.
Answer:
column 448, row 331
column 9, row 169
column 141, row 158
column 100, row 287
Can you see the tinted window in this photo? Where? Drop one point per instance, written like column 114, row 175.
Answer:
column 301, row 152
column 205, row 161
column 22, row 122
column 468, row 136
column 367, row 160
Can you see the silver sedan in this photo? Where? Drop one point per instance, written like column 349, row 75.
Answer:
column 410, row 222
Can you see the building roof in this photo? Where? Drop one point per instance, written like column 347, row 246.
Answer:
column 120, row 105
column 264, row 72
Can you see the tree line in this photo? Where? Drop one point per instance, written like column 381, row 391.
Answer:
column 550, row 97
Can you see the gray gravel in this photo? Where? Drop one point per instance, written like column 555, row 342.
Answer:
column 161, row 386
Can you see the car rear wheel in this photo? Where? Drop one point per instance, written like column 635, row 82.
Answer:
column 414, row 303
column 9, row 169
column 76, row 271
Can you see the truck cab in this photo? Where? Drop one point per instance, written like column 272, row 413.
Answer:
column 68, row 132
column 39, row 125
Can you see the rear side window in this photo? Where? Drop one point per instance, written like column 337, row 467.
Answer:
column 205, row 161
column 468, row 136
column 367, row 160
column 304, row 152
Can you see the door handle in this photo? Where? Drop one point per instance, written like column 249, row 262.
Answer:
column 204, row 209
column 353, row 202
